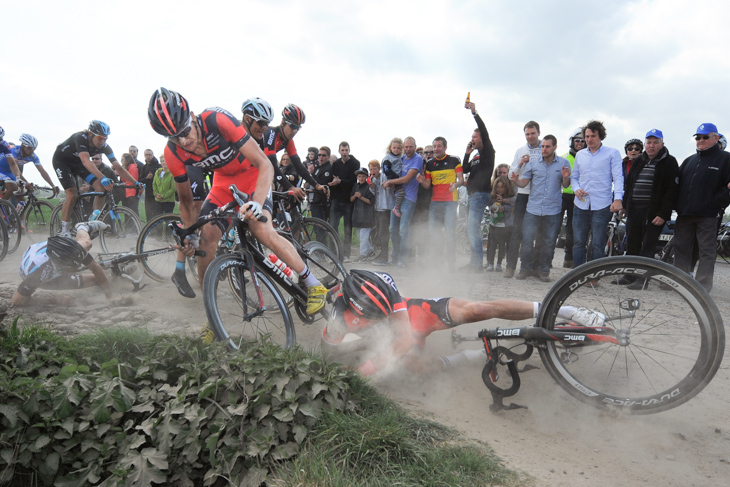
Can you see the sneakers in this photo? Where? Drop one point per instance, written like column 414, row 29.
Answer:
column 206, row 334
column 497, row 268
column 92, row 227
column 396, row 212
column 588, row 317
column 181, row 283
column 316, row 296
column 545, row 278
column 490, row 268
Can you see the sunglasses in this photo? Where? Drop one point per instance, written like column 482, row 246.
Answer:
column 582, row 141
column 185, row 133
column 631, row 149
column 293, row 126
column 428, row 152
column 323, row 155
column 702, row 137
column 262, row 123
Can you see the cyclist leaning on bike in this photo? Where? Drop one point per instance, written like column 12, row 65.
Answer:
column 9, row 169
column 73, row 158
column 217, row 141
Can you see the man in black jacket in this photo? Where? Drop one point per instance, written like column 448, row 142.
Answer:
column 147, row 176
column 650, row 193
column 340, row 188
column 703, row 193
column 319, row 203
column 479, row 185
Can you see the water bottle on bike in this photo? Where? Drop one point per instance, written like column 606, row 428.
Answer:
column 280, row 264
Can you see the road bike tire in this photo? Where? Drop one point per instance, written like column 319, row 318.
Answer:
column 667, row 352
column 222, row 289
column 316, row 230
column 156, row 235
column 463, row 246
column 3, row 240
column 37, row 221
column 123, row 232
column 56, row 220
column 12, row 224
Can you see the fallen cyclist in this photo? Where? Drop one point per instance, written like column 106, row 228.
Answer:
column 55, row 263
column 369, row 299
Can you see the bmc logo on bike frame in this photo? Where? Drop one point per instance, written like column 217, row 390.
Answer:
column 509, row 332
column 277, row 271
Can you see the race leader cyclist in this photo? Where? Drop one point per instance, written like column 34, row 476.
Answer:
column 257, row 115
column 55, row 263
column 9, row 170
column 25, row 153
column 369, row 298
column 73, row 158
column 216, row 140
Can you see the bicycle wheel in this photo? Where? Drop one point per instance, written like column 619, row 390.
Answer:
column 12, row 224
column 123, row 232
column 56, row 216
column 463, row 246
column 37, row 221
column 314, row 229
column 156, row 235
column 238, row 310
column 3, row 240
column 668, row 343
column 326, row 267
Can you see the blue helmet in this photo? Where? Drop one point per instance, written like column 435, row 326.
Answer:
column 97, row 127
column 28, row 141
column 258, row 109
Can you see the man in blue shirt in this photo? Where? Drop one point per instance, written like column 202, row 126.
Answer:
column 548, row 175
column 400, row 227
column 598, row 183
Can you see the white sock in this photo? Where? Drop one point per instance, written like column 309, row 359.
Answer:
column 308, row 277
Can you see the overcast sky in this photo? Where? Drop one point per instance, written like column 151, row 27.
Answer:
column 365, row 72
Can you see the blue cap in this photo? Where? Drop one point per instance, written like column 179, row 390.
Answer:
column 654, row 133
column 706, row 128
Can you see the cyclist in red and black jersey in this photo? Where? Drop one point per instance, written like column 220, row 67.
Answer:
column 369, row 298
column 275, row 139
column 217, row 141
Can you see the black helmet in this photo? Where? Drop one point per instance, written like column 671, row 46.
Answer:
column 293, row 114
column 632, row 142
column 97, row 127
column 65, row 252
column 258, row 109
column 169, row 112
column 368, row 295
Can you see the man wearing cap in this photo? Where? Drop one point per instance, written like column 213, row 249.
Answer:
column 650, row 193
column 703, row 182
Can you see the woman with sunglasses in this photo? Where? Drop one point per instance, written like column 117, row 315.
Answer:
column 633, row 150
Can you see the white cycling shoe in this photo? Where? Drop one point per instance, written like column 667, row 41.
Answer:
column 588, row 317
column 92, row 228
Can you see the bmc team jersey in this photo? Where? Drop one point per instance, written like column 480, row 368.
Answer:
column 223, row 137
column 442, row 172
column 425, row 315
column 21, row 160
column 68, row 151
column 271, row 143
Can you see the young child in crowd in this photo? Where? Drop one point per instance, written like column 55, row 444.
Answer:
column 382, row 205
column 500, row 229
column 392, row 165
column 363, row 216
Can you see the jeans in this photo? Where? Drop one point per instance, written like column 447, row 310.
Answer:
column 702, row 231
column 546, row 229
column 442, row 227
column 382, row 222
column 568, row 205
column 477, row 203
column 400, row 229
column 513, row 250
column 583, row 222
column 342, row 209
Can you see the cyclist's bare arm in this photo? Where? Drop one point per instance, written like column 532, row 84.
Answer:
column 121, row 171
column 90, row 166
column 255, row 155
column 46, row 176
column 101, row 279
column 14, row 168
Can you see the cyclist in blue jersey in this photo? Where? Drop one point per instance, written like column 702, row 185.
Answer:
column 25, row 153
column 9, row 170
